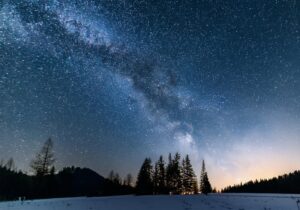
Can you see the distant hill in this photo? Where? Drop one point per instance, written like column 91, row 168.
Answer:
column 79, row 181
column 287, row 183
column 69, row 182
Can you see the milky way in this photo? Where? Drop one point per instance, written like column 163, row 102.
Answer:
column 115, row 81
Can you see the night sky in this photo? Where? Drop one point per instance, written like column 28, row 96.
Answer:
column 115, row 81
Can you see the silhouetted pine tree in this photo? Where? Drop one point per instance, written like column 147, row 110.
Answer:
column 169, row 174
column 161, row 175
column 188, row 177
column 159, row 179
column 177, row 174
column 174, row 175
column 44, row 160
column 205, row 186
column 155, row 179
column 128, row 180
column 144, row 184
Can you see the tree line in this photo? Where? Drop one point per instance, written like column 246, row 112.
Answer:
column 46, row 182
column 176, row 177
column 287, row 183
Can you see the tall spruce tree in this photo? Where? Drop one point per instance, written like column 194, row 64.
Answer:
column 169, row 174
column 155, row 179
column 159, row 178
column 184, row 177
column 144, row 184
column 202, row 175
column 205, row 186
column 177, row 176
column 174, row 175
column 189, row 181
column 161, row 175
column 44, row 160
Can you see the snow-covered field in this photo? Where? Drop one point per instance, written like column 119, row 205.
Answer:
column 193, row 202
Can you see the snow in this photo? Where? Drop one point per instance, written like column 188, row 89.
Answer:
column 163, row 202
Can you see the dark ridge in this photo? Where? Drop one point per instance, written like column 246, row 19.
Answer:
column 69, row 182
column 287, row 183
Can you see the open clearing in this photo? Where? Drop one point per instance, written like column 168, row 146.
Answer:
column 164, row 202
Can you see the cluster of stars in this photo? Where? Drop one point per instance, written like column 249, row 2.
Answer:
column 110, row 80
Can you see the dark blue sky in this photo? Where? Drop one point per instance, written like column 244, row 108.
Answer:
column 115, row 81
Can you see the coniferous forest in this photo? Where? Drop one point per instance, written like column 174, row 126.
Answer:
column 174, row 176
column 46, row 182
column 287, row 183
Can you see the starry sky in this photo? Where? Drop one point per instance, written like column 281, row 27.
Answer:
column 115, row 81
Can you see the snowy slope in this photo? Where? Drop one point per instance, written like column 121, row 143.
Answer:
column 195, row 202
